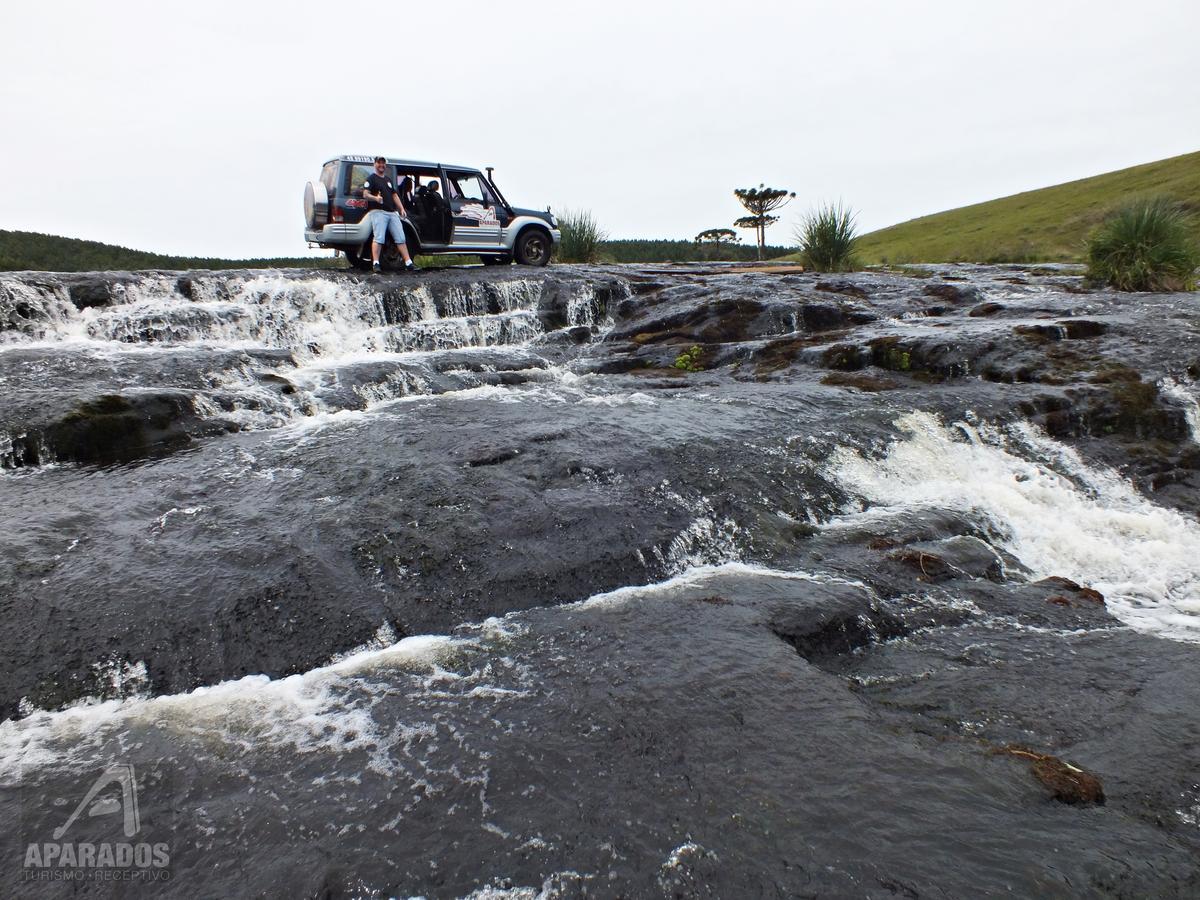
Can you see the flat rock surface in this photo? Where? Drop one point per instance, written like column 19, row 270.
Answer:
column 680, row 581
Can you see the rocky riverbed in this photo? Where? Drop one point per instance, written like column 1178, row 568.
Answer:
column 667, row 581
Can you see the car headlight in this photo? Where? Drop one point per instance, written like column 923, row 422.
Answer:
column 553, row 220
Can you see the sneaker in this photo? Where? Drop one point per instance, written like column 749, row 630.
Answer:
column 409, row 266
column 376, row 268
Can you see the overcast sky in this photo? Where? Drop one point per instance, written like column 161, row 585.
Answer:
column 192, row 128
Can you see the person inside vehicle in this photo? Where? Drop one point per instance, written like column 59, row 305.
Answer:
column 405, row 190
column 384, row 208
column 434, row 197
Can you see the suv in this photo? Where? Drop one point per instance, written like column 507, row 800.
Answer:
column 451, row 209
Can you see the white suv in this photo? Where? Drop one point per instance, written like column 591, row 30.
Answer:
column 451, row 209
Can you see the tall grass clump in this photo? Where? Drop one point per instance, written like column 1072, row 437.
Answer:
column 581, row 237
column 1146, row 245
column 828, row 238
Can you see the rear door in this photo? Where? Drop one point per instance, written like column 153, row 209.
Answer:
column 475, row 210
column 354, row 177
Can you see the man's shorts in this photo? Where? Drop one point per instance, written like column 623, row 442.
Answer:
column 384, row 223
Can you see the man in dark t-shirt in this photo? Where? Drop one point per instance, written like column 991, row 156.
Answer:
column 384, row 208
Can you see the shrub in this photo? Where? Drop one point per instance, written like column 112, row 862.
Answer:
column 689, row 360
column 581, row 237
column 827, row 239
column 1146, row 245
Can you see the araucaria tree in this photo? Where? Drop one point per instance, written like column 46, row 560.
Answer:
column 760, row 202
column 717, row 236
column 711, row 244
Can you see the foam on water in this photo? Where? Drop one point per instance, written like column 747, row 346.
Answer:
column 698, row 576
column 329, row 708
column 318, row 709
column 1047, row 507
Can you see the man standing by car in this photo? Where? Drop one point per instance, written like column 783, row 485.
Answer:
column 384, row 207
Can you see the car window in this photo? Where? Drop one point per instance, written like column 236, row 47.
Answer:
column 358, row 177
column 329, row 177
column 468, row 188
column 417, row 177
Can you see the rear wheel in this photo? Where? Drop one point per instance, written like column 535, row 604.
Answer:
column 390, row 258
column 356, row 258
column 533, row 247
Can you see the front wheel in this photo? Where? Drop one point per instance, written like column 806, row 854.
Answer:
column 533, row 247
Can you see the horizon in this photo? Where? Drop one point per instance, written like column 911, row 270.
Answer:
column 641, row 238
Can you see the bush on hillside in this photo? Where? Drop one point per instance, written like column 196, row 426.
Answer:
column 581, row 237
column 827, row 239
column 1146, row 245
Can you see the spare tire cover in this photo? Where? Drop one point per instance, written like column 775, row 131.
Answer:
column 316, row 204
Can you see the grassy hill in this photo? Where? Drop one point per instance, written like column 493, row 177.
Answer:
column 26, row 250
column 1045, row 225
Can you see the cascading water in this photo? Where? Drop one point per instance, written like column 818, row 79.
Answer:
column 256, row 350
column 1185, row 392
column 1056, row 514
column 484, row 583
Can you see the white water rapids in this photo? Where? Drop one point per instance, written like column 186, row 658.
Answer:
column 1051, row 510
column 313, row 317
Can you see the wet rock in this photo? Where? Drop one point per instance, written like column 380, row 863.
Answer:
column 122, row 427
column 832, row 316
column 90, row 293
column 1130, row 408
column 958, row 555
column 578, row 334
column 831, row 620
column 859, row 381
column 935, row 358
column 1079, row 595
column 986, row 309
column 930, row 566
column 272, row 552
column 691, row 313
column 953, row 293
column 1057, row 581
column 846, row 357
column 1115, row 373
column 1042, row 332
column 489, row 457
column 689, row 873
column 842, row 287
column 1077, row 329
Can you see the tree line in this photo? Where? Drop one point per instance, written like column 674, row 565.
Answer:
column 27, row 250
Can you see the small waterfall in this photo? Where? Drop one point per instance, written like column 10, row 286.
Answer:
column 469, row 331
column 1184, row 393
column 1048, row 507
column 35, row 310
column 311, row 316
column 259, row 349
